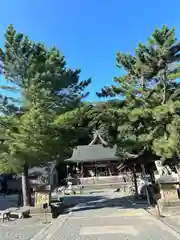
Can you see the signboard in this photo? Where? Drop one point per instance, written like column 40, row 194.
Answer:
column 41, row 198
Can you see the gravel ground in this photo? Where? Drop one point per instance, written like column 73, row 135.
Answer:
column 23, row 229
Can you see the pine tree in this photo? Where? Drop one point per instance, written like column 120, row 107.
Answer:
column 47, row 88
column 150, row 93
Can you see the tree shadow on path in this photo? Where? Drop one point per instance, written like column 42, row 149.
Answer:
column 85, row 203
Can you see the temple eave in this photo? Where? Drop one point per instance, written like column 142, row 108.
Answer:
column 91, row 160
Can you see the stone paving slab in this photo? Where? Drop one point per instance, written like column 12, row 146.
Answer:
column 107, row 217
column 173, row 222
column 171, row 218
column 111, row 217
column 21, row 229
column 143, row 228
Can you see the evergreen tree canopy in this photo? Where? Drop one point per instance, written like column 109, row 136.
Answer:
column 148, row 119
column 47, row 88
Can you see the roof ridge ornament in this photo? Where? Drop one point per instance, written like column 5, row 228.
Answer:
column 96, row 136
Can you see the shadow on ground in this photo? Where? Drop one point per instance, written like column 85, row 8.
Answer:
column 85, row 203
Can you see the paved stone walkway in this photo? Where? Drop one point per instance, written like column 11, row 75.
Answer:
column 108, row 219
column 21, row 229
column 96, row 217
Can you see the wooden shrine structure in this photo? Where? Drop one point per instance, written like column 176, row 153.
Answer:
column 94, row 159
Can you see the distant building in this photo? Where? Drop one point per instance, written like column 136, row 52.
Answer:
column 95, row 159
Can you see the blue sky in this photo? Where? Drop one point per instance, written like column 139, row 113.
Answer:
column 90, row 32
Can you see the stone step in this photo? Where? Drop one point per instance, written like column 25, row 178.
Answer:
column 102, row 186
column 102, row 180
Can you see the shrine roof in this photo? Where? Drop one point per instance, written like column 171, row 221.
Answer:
column 90, row 153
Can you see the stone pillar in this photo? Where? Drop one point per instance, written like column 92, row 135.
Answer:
column 169, row 195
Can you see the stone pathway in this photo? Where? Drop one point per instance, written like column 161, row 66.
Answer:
column 95, row 217
column 111, row 218
column 171, row 218
column 21, row 229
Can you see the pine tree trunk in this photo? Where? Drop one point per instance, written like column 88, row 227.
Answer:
column 24, row 185
column 27, row 200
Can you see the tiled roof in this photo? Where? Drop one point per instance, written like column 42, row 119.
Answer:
column 93, row 153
